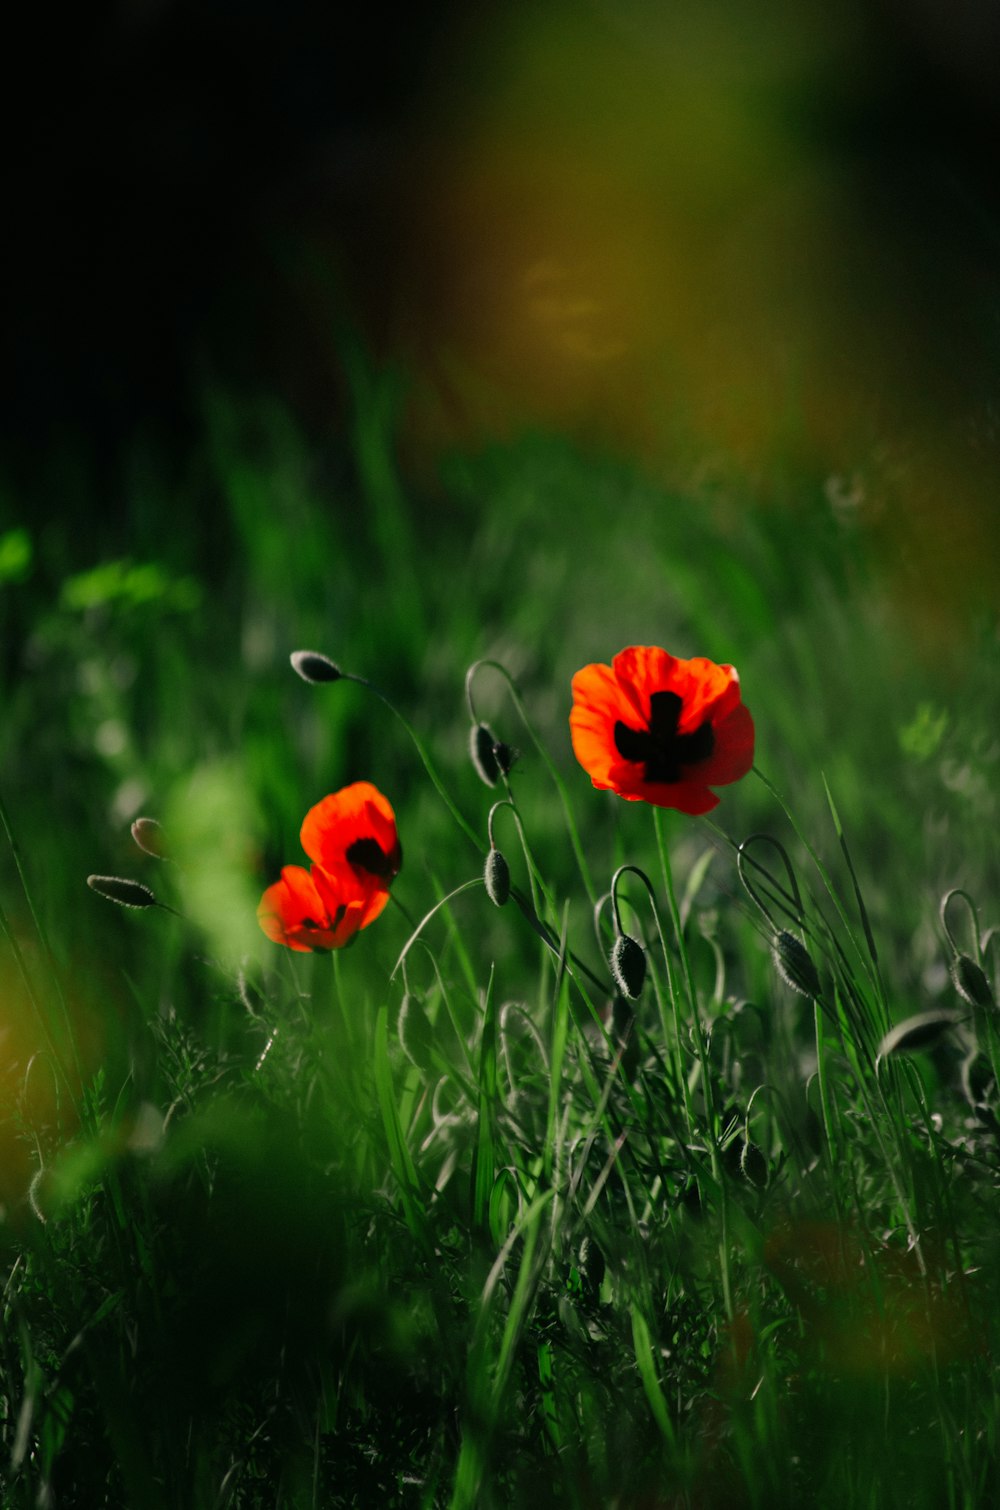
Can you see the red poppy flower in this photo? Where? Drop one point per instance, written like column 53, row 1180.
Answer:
column 351, row 838
column 657, row 729
column 352, row 835
column 304, row 911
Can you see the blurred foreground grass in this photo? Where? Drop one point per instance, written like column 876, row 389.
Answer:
column 258, row 1252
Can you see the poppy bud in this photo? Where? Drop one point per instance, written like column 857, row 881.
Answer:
column 753, row 1165
column 148, row 834
column 496, row 878
column 970, row 982
column 922, row 1031
column 125, row 893
column 482, row 743
column 416, row 1036
column 793, row 963
column 628, row 966
column 313, row 667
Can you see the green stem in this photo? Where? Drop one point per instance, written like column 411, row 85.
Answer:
column 421, row 749
column 574, row 837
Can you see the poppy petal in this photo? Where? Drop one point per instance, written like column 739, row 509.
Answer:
column 599, row 702
column 360, row 905
column 357, row 813
column 642, row 670
column 690, row 797
column 706, row 690
column 734, row 747
column 292, row 912
column 711, row 692
column 652, row 715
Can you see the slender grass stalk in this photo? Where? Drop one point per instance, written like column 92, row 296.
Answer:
column 484, row 1162
column 821, row 870
column 425, row 759
column 535, row 881
column 456, row 892
column 701, row 1047
column 671, row 985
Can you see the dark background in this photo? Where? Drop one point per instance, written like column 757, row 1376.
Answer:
column 214, row 192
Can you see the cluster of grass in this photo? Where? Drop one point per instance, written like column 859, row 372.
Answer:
column 445, row 1219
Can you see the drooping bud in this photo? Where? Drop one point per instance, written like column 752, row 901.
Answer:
column 126, row 893
column 753, row 1165
column 482, row 742
column 314, row 667
column 148, row 835
column 628, row 966
column 922, row 1031
column 793, row 963
column 496, row 878
column 970, row 982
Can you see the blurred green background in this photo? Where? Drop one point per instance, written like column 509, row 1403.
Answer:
column 521, row 331
column 516, row 331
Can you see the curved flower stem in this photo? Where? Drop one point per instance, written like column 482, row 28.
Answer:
column 401, row 907
column 540, row 928
column 421, row 749
column 865, row 1022
column 824, row 877
column 671, row 984
column 868, row 1029
column 790, row 903
column 534, row 879
column 574, row 837
column 468, row 1081
column 814, row 927
column 793, row 894
column 465, row 886
column 958, row 891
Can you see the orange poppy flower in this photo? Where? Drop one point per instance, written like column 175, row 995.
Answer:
column 351, row 838
column 304, row 912
column 661, row 730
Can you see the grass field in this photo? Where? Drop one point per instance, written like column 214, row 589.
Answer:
column 441, row 1218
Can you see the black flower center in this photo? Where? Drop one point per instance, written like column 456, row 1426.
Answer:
column 660, row 749
column 367, row 854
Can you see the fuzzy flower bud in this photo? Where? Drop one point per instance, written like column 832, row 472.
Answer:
column 925, row 1030
column 793, row 963
column 148, row 835
column 753, row 1165
column 496, row 877
column 970, row 982
column 314, row 667
column 628, row 966
column 126, row 893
